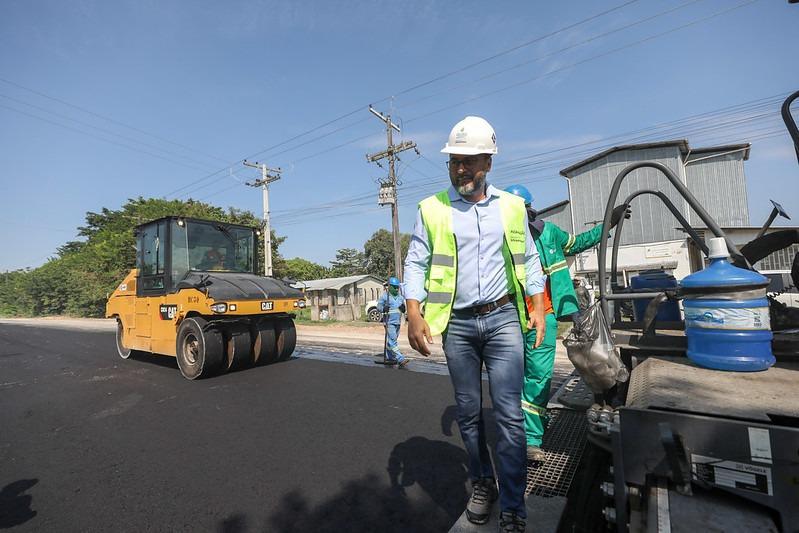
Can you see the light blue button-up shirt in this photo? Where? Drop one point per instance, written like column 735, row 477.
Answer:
column 481, row 267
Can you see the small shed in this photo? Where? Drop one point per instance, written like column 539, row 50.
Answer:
column 340, row 298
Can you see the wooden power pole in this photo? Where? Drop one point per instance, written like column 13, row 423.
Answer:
column 268, row 175
column 388, row 189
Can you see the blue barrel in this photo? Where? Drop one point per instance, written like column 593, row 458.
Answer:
column 669, row 310
column 727, row 321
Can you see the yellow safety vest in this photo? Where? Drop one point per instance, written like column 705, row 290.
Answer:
column 442, row 275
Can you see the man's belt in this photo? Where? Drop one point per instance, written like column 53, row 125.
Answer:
column 486, row 308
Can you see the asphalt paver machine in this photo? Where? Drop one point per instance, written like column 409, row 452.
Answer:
column 195, row 295
column 679, row 447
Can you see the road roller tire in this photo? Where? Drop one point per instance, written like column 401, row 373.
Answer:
column 264, row 343
column 199, row 352
column 286, row 338
column 123, row 352
column 238, row 348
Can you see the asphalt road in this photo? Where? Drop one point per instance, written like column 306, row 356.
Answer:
column 91, row 442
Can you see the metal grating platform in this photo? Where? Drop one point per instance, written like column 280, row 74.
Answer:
column 564, row 441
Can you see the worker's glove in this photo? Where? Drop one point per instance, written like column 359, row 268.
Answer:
column 618, row 212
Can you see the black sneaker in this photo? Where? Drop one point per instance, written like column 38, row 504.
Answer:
column 484, row 494
column 536, row 454
column 510, row 522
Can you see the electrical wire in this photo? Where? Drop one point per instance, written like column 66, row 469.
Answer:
column 581, row 62
column 103, row 117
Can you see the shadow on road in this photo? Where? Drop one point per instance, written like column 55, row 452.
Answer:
column 153, row 359
column 449, row 420
column 15, row 505
column 370, row 504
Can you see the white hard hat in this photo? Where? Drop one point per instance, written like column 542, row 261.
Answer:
column 471, row 136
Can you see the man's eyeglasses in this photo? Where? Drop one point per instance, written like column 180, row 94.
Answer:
column 467, row 162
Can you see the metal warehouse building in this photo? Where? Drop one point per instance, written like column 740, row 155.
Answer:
column 652, row 238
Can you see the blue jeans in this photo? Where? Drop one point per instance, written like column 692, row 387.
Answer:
column 392, row 347
column 494, row 339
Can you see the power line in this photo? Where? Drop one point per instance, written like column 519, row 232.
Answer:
column 568, row 154
column 95, row 136
column 410, row 89
column 514, row 48
column 103, row 117
column 592, row 58
column 550, row 54
column 103, row 130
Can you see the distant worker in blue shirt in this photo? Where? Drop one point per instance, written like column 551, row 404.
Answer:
column 392, row 305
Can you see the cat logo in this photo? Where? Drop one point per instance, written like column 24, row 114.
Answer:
column 168, row 312
column 267, row 306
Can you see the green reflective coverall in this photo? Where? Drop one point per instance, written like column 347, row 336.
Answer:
column 553, row 246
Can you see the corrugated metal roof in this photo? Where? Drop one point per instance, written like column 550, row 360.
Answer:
column 333, row 283
column 744, row 147
column 681, row 143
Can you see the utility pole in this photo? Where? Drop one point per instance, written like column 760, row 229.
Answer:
column 268, row 175
column 388, row 189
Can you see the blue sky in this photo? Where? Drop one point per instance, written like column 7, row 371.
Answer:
column 103, row 101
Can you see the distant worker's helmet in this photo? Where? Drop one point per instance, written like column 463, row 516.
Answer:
column 521, row 190
column 471, row 136
column 394, row 282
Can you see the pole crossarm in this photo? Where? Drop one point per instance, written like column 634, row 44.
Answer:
column 268, row 175
column 388, row 188
column 391, row 150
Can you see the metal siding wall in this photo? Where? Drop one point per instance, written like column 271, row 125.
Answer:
column 719, row 185
column 562, row 218
column 651, row 221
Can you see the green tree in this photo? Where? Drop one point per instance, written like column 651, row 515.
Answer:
column 302, row 270
column 348, row 262
column 379, row 253
column 85, row 270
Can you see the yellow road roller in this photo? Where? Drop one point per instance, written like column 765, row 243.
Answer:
column 195, row 295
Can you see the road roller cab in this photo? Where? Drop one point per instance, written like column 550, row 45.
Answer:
column 194, row 295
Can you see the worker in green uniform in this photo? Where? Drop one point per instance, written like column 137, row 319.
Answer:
column 560, row 303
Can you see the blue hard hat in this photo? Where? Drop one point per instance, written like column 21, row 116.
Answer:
column 394, row 282
column 521, row 190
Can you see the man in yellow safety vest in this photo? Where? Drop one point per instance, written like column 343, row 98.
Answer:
column 471, row 261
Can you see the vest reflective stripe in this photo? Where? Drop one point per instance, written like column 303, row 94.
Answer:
column 442, row 276
column 569, row 243
column 443, row 260
column 439, row 297
column 560, row 265
column 533, row 408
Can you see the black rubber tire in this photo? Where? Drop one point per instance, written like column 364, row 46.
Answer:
column 124, row 353
column 286, row 338
column 238, row 348
column 264, row 342
column 199, row 352
column 374, row 315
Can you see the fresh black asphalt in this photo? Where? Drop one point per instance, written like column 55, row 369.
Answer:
column 91, row 442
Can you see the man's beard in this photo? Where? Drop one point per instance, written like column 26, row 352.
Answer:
column 476, row 184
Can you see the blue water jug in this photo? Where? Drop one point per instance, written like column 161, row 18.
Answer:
column 727, row 321
column 656, row 280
